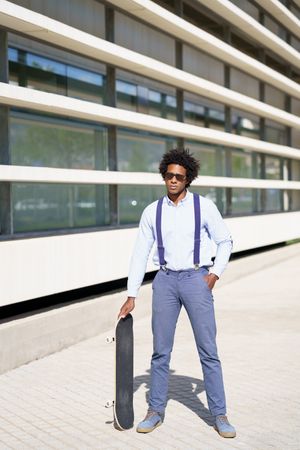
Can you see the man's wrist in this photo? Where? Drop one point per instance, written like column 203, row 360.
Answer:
column 215, row 275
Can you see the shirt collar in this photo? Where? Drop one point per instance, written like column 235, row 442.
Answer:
column 185, row 199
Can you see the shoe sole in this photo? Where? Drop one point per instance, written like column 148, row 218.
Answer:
column 148, row 430
column 224, row 434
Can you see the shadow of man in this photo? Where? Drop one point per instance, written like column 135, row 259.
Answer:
column 184, row 390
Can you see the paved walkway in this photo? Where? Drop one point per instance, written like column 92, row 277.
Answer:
column 57, row 402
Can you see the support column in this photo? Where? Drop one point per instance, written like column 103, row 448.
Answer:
column 110, row 100
column 179, row 65
column 228, row 129
column 6, row 225
column 289, row 177
column 287, row 194
column 262, row 128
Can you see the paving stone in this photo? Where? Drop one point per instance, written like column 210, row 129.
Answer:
column 58, row 402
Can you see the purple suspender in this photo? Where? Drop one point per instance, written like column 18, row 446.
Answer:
column 197, row 213
column 160, row 246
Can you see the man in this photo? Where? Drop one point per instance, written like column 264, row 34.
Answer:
column 182, row 225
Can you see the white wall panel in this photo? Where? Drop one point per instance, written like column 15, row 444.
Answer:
column 241, row 82
column 282, row 14
column 253, row 29
column 87, row 15
column 203, row 65
column 31, row 268
column 274, row 97
column 139, row 37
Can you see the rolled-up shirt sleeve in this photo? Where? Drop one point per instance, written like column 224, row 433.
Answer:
column 140, row 255
column 220, row 234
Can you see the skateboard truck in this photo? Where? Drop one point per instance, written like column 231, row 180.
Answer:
column 109, row 404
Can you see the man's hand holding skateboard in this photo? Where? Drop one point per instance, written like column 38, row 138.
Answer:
column 127, row 307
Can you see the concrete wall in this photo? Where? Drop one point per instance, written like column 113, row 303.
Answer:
column 32, row 268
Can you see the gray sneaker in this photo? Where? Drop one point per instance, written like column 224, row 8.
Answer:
column 151, row 421
column 224, row 428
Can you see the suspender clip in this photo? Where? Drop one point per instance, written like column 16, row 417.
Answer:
column 196, row 266
column 164, row 268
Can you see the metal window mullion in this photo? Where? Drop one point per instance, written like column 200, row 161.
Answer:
column 179, row 65
column 110, row 100
column 6, row 209
column 228, row 129
column 262, row 123
column 287, row 195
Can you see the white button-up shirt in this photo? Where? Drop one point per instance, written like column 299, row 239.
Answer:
column 178, row 228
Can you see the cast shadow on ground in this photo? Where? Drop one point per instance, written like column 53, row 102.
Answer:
column 184, row 390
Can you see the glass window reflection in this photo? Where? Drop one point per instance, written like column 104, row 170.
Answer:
column 84, row 84
column 38, row 141
column 241, row 164
column 141, row 152
column 126, row 95
column 134, row 199
column 13, row 54
column 241, row 200
column 40, row 207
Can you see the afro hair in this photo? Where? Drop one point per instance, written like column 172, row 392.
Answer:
column 183, row 158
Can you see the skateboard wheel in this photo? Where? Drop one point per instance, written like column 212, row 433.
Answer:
column 109, row 404
column 109, row 339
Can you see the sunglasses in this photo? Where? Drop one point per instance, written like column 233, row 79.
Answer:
column 178, row 176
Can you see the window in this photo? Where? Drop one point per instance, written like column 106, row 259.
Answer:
column 241, row 200
column 141, row 152
column 50, row 142
column 134, row 199
column 241, row 164
column 41, row 207
column 46, row 74
column 126, row 95
column 211, row 157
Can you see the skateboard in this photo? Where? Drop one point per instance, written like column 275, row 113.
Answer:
column 123, row 402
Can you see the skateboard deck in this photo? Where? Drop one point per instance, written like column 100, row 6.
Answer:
column 123, row 403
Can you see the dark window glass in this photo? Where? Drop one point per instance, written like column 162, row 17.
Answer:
column 162, row 105
column 194, row 113
column 217, row 195
column 49, row 75
column 211, row 157
column 241, row 164
column 134, row 199
column 45, row 64
column 45, row 74
column 170, row 106
column 57, row 143
column 85, row 84
column 273, row 170
column 126, row 95
column 13, row 54
column 241, row 200
column 155, row 103
column 273, row 200
column 275, row 133
column 245, row 124
column 208, row 192
column 141, row 152
column 42, row 207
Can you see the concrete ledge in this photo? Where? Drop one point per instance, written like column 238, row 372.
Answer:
column 29, row 338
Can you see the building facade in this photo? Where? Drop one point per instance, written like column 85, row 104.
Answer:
column 92, row 93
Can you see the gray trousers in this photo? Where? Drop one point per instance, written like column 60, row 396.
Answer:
column 171, row 290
